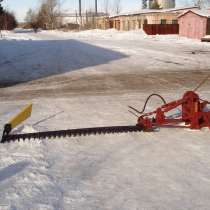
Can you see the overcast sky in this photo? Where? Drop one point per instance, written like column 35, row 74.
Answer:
column 20, row 7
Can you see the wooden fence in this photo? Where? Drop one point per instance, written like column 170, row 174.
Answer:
column 153, row 29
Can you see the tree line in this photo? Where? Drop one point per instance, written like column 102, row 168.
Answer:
column 7, row 19
column 49, row 15
column 202, row 3
column 45, row 17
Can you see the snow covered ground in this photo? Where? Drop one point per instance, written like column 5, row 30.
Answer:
column 87, row 79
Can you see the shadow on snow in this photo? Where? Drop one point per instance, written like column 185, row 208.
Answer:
column 12, row 170
column 26, row 60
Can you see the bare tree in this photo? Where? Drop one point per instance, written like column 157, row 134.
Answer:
column 90, row 20
column 1, row 12
column 202, row 3
column 144, row 4
column 30, row 17
column 31, row 20
column 48, row 14
column 60, row 3
column 52, row 7
column 47, row 17
column 44, row 18
column 106, row 6
column 117, row 6
column 1, row 8
column 155, row 5
column 7, row 20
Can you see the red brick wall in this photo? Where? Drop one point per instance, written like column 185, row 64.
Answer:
column 192, row 25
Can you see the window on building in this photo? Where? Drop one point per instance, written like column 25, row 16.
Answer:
column 174, row 21
column 163, row 21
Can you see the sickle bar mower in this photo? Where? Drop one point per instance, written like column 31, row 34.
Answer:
column 194, row 114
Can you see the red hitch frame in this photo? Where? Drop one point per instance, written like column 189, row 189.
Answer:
column 194, row 114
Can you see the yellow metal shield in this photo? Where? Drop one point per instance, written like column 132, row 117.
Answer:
column 20, row 117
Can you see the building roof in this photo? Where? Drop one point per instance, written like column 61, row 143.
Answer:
column 68, row 14
column 147, row 11
column 203, row 13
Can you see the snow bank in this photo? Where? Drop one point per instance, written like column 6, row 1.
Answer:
column 22, row 30
column 96, row 34
column 100, row 34
column 18, row 34
column 28, row 129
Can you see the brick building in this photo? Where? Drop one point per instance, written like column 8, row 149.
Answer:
column 136, row 20
column 194, row 24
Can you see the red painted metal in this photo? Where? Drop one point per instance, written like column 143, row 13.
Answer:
column 153, row 29
column 194, row 114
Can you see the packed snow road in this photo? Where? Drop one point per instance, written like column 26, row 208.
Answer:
column 80, row 64
column 87, row 79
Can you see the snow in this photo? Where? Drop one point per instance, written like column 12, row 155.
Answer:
column 88, row 79
column 207, row 36
column 147, row 11
column 201, row 12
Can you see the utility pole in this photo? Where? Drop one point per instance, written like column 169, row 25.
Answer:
column 96, row 7
column 80, row 8
column 80, row 12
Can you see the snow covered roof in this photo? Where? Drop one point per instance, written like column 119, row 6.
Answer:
column 203, row 13
column 68, row 14
column 147, row 11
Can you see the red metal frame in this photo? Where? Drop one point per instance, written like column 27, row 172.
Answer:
column 193, row 114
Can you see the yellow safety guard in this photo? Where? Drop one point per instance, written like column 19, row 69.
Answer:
column 22, row 116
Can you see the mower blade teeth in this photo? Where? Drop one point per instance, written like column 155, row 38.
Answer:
column 70, row 133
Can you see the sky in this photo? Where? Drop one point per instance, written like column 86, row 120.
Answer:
column 20, row 7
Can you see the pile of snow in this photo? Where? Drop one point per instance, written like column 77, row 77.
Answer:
column 113, row 34
column 100, row 34
column 132, row 35
column 207, row 36
column 95, row 34
column 22, row 30
column 18, row 34
column 176, row 39
column 24, row 129
column 28, row 129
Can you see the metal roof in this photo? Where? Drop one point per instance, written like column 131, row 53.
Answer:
column 147, row 11
column 203, row 13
